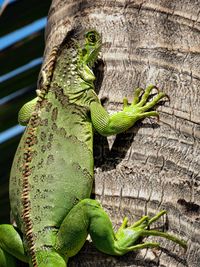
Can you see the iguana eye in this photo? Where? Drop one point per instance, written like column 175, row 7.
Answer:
column 91, row 36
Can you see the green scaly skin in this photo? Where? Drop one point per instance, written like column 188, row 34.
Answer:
column 52, row 173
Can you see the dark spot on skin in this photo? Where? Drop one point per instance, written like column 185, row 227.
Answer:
column 76, row 200
column 50, row 159
column 35, row 178
column 43, row 136
column 40, row 164
column 34, row 140
column 42, row 178
column 62, row 132
column 76, row 165
column 54, row 127
column 48, row 107
column 54, row 114
column 73, row 139
column 47, row 207
column 50, row 138
column 19, row 160
column 14, row 179
column 59, row 94
column 43, row 148
column 64, row 101
column 32, row 186
column 87, row 174
column 36, row 122
column 44, row 122
column 32, row 168
column 37, row 218
column 48, row 145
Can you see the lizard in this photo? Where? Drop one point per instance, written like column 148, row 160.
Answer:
column 53, row 168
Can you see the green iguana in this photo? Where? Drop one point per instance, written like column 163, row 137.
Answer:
column 52, row 173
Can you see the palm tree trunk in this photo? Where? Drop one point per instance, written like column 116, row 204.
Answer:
column 153, row 166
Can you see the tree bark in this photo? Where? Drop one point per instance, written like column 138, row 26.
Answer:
column 155, row 165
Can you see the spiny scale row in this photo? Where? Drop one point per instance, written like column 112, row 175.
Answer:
column 25, row 195
column 30, row 141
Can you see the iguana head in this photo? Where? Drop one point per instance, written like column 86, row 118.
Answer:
column 91, row 47
column 76, row 57
column 88, row 51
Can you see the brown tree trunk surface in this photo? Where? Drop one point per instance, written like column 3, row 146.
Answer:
column 153, row 166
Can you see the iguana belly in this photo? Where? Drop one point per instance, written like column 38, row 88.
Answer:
column 61, row 169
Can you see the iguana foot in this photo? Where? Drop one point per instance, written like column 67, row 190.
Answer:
column 140, row 106
column 128, row 236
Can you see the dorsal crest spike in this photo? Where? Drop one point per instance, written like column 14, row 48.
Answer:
column 47, row 72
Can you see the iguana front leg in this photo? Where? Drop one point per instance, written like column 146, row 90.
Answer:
column 11, row 246
column 25, row 112
column 119, row 122
column 27, row 109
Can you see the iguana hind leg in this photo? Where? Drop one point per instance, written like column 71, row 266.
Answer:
column 88, row 217
column 11, row 246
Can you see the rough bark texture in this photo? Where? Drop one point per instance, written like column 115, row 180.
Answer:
column 154, row 166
